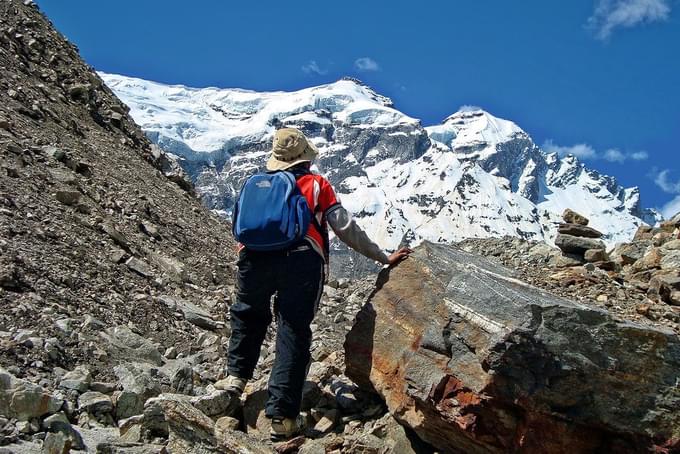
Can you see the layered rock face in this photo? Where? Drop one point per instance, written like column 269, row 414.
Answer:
column 475, row 360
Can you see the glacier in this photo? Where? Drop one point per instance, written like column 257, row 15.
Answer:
column 473, row 175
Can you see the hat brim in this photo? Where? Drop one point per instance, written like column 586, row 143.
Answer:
column 310, row 153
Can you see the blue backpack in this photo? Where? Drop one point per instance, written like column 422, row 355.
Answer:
column 271, row 213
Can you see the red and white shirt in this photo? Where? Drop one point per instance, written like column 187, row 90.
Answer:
column 321, row 198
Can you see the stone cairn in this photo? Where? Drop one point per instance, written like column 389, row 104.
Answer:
column 650, row 262
column 582, row 243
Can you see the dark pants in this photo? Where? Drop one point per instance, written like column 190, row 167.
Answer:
column 296, row 277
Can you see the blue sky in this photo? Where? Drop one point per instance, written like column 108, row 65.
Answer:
column 600, row 78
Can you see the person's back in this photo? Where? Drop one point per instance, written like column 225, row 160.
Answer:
column 296, row 276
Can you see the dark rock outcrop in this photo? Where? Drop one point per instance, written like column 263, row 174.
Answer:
column 475, row 360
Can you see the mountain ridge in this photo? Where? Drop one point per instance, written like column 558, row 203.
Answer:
column 493, row 179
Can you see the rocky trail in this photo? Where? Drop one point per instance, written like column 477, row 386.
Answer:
column 115, row 284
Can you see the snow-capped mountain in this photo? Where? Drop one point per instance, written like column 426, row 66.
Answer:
column 474, row 175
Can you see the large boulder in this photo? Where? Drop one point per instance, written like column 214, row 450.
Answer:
column 474, row 360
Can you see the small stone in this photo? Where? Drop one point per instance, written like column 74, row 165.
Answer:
column 292, row 446
column 116, row 236
column 579, row 230
column 644, row 232
column 53, row 348
column 115, row 117
column 103, row 387
column 668, row 226
column 23, row 335
column 217, row 403
column 327, row 421
column 210, row 341
column 673, row 245
column 643, row 309
column 84, row 169
column 602, row 298
column 140, row 267
column 56, row 443
column 68, row 197
column 95, row 402
column 330, row 291
column 651, row 259
column 51, row 421
column 80, row 91
column 572, row 217
column 118, row 256
column 55, row 153
column 4, row 124
column 606, row 265
column 661, row 238
column 92, row 323
column 78, row 379
column 595, row 255
column 674, row 298
column 24, row 427
column 226, row 423
column 170, row 353
column 149, row 229
column 671, row 261
column 34, row 342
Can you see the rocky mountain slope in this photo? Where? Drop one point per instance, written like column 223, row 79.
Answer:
column 474, row 175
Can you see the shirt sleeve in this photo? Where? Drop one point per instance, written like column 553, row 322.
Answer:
column 326, row 198
column 349, row 232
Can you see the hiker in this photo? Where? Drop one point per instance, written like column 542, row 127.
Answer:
column 296, row 275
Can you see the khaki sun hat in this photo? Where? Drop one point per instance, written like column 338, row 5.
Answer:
column 290, row 147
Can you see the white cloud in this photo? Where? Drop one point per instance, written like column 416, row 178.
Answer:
column 662, row 181
column 585, row 151
column 312, row 67
column 639, row 156
column 468, row 108
column 366, row 64
column 580, row 150
column 612, row 14
column 671, row 208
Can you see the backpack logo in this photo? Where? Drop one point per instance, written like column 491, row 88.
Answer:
column 270, row 220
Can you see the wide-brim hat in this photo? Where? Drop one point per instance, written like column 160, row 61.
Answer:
column 290, row 147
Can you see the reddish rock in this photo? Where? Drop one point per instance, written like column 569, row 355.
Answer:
column 606, row 265
column 595, row 255
column 644, row 232
column 669, row 226
column 651, row 259
column 475, row 361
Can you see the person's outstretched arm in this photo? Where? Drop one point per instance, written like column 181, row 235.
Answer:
column 349, row 232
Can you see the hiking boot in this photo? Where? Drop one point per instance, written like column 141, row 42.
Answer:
column 232, row 384
column 285, row 428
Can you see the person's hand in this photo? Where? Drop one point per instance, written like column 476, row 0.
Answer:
column 398, row 256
